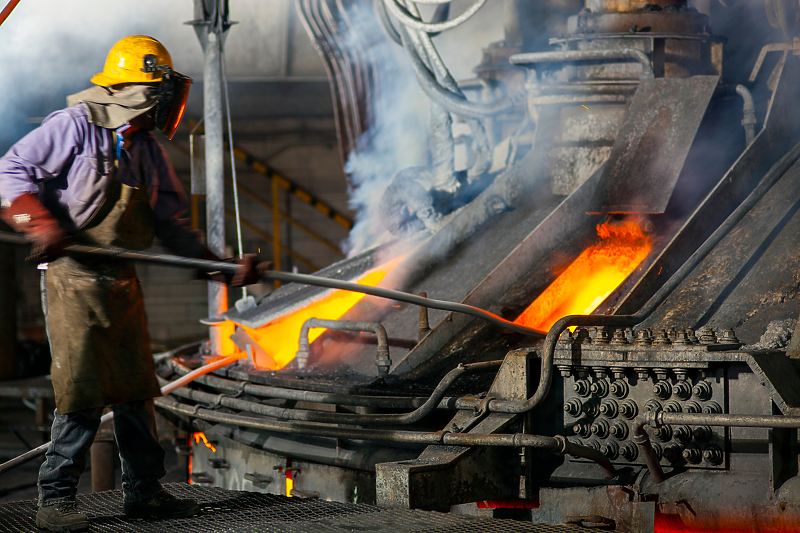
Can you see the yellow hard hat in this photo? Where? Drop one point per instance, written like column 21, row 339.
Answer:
column 126, row 62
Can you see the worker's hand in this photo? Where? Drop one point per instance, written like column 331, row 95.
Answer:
column 248, row 273
column 28, row 216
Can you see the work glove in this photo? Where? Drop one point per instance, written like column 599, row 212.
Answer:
column 248, row 273
column 28, row 216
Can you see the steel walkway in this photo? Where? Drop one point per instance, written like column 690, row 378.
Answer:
column 224, row 511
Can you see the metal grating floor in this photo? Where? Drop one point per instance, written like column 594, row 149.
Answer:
column 224, row 511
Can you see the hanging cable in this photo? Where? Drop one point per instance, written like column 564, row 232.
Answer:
column 399, row 12
column 233, row 161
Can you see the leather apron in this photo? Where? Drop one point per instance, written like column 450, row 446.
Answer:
column 95, row 312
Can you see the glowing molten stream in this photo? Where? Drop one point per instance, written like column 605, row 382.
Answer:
column 591, row 277
column 280, row 338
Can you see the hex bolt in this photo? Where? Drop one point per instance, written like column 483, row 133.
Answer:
column 600, row 372
column 672, row 452
column 593, row 444
column 671, row 333
column 692, row 455
column 712, row 408
column 574, row 407
column 652, row 405
column 619, row 430
column 600, row 388
column 610, row 449
column 664, row 433
column 692, row 407
column 601, row 337
column 729, row 337
column 600, row 428
column 691, row 336
column 680, row 373
column 581, row 387
column 661, row 374
column 713, row 455
column 642, row 373
column 707, row 335
column 619, row 389
column 643, row 338
column 657, row 450
column 618, row 372
column 672, row 407
column 619, row 338
column 662, row 389
column 582, row 429
column 681, row 339
column 682, row 390
column 629, row 409
column 565, row 370
column 565, row 339
column 629, row 452
column 609, row 408
column 582, row 372
column 629, row 335
column 682, row 434
column 662, row 338
column 702, row 433
column 702, row 390
column 591, row 408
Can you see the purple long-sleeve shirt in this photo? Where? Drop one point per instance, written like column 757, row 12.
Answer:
column 67, row 163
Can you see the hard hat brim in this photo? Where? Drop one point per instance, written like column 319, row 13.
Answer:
column 102, row 80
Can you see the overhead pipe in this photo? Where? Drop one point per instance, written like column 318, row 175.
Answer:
column 557, row 444
column 382, row 361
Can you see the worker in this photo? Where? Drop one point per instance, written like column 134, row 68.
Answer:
column 93, row 173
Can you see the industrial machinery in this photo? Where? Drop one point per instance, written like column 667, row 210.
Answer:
column 627, row 207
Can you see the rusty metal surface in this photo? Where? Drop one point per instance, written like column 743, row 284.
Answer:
column 749, row 279
column 652, row 145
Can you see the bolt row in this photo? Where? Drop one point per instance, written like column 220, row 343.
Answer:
column 646, row 336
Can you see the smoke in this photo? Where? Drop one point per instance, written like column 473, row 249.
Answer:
column 398, row 137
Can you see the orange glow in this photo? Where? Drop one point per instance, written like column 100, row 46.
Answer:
column 280, row 338
column 289, row 483
column 591, row 277
column 201, row 437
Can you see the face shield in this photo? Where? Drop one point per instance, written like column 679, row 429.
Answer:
column 173, row 91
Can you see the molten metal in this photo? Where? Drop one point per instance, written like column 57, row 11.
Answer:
column 280, row 338
column 583, row 286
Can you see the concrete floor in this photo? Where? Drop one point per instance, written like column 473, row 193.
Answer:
column 19, row 433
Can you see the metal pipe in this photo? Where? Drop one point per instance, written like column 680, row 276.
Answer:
column 386, row 435
column 748, row 114
column 642, row 440
column 303, row 415
column 587, row 55
column 242, row 387
column 663, row 418
column 382, row 361
column 424, row 324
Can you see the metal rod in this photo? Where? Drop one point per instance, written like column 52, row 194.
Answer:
column 556, row 444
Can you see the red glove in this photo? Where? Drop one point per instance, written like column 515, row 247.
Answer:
column 28, row 216
column 248, row 272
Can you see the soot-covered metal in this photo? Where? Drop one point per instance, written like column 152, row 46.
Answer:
column 673, row 404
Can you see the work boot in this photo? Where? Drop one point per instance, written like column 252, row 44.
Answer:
column 62, row 518
column 161, row 505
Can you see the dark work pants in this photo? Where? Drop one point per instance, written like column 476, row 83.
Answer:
column 141, row 454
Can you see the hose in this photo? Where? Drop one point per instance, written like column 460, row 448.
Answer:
column 402, row 14
column 304, row 415
column 556, row 444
